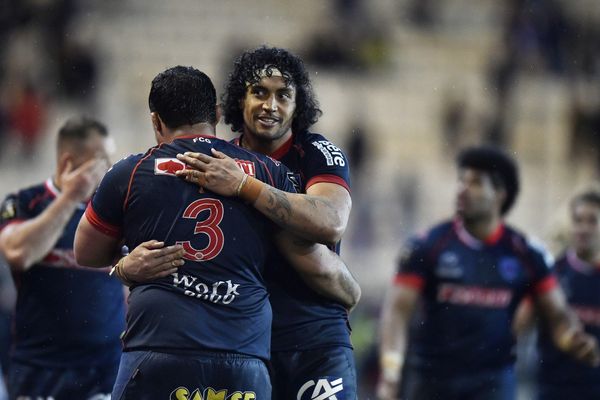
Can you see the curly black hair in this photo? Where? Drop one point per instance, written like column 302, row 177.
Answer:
column 501, row 167
column 183, row 96
column 247, row 69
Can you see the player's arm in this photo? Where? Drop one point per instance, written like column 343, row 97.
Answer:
column 566, row 330
column 25, row 243
column 322, row 269
column 320, row 215
column 92, row 247
column 397, row 311
column 525, row 317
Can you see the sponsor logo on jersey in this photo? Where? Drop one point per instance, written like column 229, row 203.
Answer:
column 333, row 154
column 246, row 166
column 509, row 268
column 295, row 179
column 448, row 266
column 168, row 166
column 322, row 389
column 474, row 295
column 183, row 393
column 220, row 292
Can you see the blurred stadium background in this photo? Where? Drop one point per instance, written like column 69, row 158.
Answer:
column 402, row 83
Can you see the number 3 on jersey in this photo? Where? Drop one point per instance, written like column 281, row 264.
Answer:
column 209, row 227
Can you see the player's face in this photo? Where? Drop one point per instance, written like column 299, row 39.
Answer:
column 585, row 218
column 476, row 197
column 95, row 146
column 268, row 109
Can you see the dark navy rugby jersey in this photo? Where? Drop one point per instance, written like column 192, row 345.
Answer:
column 581, row 283
column 218, row 299
column 303, row 319
column 66, row 315
column 470, row 290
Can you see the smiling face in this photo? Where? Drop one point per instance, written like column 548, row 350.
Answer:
column 268, row 110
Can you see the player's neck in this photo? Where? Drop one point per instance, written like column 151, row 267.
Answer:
column 263, row 146
column 202, row 128
column 482, row 229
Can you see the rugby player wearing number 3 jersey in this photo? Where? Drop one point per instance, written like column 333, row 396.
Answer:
column 205, row 329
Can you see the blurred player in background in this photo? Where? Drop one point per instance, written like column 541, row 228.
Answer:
column 205, row 327
column 456, row 291
column 68, row 319
column 269, row 100
column 578, row 272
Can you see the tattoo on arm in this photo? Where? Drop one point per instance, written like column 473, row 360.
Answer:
column 279, row 206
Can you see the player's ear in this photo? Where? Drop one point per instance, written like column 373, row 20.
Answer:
column 156, row 123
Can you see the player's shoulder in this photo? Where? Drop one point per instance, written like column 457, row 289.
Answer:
column 428, row 238
column 528, row 244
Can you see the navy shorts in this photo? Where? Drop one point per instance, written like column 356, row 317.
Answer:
column 152, row 375
column 488, row 385
column 327, row 374
column 32, row 381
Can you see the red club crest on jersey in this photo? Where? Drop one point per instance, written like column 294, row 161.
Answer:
column 167, row 166
column 246, row 166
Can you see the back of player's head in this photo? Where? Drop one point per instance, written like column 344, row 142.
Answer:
column 253, row 65
column 501, row 168
column 183, row 96
column 591, row 196
column 76, row 130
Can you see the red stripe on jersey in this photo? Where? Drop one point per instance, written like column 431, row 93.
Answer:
column 412, row 280
column 133, row 174
column 545, row 285
column 283, row 149
column 99, row 224
column 328, row 178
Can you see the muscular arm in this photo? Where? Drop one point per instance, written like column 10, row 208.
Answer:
column 322, row 269
column 26, row 243
column 566, row 330
column 397, row 311
column 93, row 248
column 320, row 215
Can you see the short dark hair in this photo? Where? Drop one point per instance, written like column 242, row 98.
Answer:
column 247, row 69
column 183, row 96
column 79, row 129
column 500, row 166
column 589, row 196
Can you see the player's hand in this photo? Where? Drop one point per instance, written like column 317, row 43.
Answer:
column 80, row 183
column 584, row 348
column 386, row 389
column 219, row 174
column 151, row 260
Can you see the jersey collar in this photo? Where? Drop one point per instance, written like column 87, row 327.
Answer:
column 472, row 241
column 580, row 265
column 278, row 153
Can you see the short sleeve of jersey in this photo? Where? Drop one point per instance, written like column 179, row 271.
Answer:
column 413, row 265
column 325, row 162
column 11, row 211
column 105, row 211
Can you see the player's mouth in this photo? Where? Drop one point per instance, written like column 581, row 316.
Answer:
column 268, row 122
